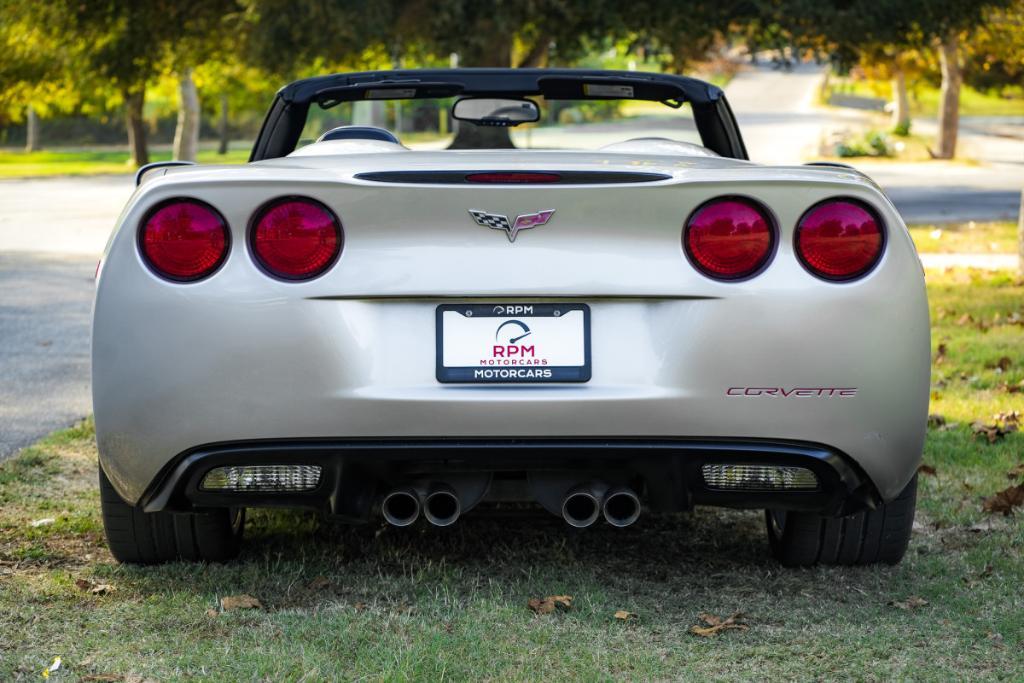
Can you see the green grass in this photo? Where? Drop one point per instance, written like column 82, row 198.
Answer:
column 428, row 604
column 95, row 162
column 924, row 98
column 966, row 238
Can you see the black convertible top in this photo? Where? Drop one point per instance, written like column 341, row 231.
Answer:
column 287, row 116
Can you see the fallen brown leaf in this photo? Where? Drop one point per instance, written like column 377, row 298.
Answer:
column 319, row 583
column 93, row 587
column 1016, row 471
column 913, row 602
column 211, row 612
column 993, row 432
column 231, row 602
column 935, row 420
column 103, row 677
column 965, row 319
column 1004, row 501
column 1010, row 419
column 716, row 624
column 550, row 603
column 623, row 615
column 927, row 470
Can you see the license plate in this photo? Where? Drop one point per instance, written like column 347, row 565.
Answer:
column 520, row 343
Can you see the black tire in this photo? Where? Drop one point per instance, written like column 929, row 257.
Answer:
column 801, row 539
column 138, row 537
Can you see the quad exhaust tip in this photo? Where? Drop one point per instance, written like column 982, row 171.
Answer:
column 581, row 507
column 401, row 507
column 442, row 506
column 621, row 507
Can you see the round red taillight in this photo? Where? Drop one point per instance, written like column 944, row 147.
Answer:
column 184, row 239
column 839, row 239
column 295, row 238
column 730, row 238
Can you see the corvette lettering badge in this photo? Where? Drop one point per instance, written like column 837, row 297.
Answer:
column 500, row 222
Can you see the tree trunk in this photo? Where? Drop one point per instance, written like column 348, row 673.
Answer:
column 1020, row 235
column 186, row 135
column 900, row 101
column 537, row 54
column 497, row 52
column 133, row 103
column 222, row 125
column 949, row 96
column 31, row 130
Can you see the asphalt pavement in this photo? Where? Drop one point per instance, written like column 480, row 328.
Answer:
column 45, row 302
column 52, row 231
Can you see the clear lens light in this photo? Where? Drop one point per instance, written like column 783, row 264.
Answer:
column 243, row 478
column 759, row 478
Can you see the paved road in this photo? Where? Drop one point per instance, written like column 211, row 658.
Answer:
column 44, row 344
column 52, row 231
column 51, row 234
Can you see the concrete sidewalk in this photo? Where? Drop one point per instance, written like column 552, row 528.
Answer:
column 982, row 261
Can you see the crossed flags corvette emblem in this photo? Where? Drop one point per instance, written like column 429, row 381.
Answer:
column 498, row 221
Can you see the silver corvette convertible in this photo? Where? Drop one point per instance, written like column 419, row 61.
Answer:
column 562, row 288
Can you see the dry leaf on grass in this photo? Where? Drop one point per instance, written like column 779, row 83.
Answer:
column 239, row 602
column 913, row 602
column 715, row 624
column 53, row 668
column 1004, row 501
column 927, row 470
column 319, row 583
column 623, row 615
column 1001, row 365
column 935, row 420
column 550, row 603
column 46, row 521
column 1010, row 419
column 993, row 432
column 1016, row 471
column 106, row 678
column 93, row 587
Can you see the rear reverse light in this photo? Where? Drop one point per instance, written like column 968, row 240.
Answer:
column 184, row 239
column 729, row 238
column 280, row 478
column 759, row 478
column 839, row 239
column 296, row 238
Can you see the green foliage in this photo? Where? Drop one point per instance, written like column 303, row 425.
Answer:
column 870, row 144
column 902, row 129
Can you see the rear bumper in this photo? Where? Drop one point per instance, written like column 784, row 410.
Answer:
column 355, row 473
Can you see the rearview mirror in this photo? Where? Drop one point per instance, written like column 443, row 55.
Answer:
column 489, row 111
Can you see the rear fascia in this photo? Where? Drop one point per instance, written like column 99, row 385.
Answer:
column 178, row 365
column 355, row 471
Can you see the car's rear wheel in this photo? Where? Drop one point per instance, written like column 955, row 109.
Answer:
column 141, row 537
column 800, row 539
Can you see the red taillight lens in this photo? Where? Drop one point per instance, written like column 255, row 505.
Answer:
column 729, row 238
column 184, row 239
column 296, row 238
column 840, row 239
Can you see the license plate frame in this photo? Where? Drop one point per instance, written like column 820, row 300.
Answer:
column 521, row 313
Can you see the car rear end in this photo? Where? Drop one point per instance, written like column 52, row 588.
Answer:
column 717, row 333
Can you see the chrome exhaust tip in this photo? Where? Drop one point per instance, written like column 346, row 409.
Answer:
column 441, row 506
column 581, row 507
column 621, row 507
column 401, row 507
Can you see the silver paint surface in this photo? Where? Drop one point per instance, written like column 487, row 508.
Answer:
column 241, row 356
